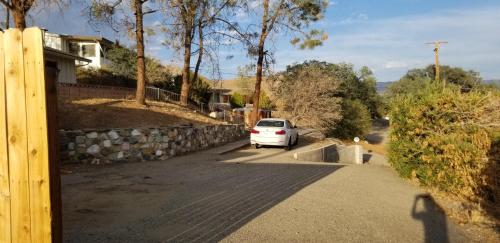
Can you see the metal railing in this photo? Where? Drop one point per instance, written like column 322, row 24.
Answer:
column 154, row 93
column 157, row 94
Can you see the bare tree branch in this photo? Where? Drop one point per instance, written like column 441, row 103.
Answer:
column 7, row 4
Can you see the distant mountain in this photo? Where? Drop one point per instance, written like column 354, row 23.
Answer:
column 382, row 86
column 492, row 81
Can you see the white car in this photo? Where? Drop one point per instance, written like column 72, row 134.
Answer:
column 275, row 132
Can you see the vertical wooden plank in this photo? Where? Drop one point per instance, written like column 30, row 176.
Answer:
column 54, row 170
column 37, row 136
column 16, row 133
column 4, row 160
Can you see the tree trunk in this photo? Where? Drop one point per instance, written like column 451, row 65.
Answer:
column 258, row 81
column 7, row 16
column 19, row 19
column 200, row 52
column 185, row 70
column 141, row 66
column 260, row 63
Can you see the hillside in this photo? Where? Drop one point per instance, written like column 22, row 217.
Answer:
column 235, row 85
column 382, row 86
column 119, row 113
column 493, row 81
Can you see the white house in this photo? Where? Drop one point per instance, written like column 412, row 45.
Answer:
column 89, row 47
column 86, row 52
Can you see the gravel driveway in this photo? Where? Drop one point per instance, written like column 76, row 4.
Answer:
column 248, row 196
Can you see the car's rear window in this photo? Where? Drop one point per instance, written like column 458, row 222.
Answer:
column 268, row 123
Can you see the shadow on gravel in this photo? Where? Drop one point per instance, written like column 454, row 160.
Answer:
column 374, row 138
column 267, row 152
column 199, row 201
column 432, row 217
column 366, row 158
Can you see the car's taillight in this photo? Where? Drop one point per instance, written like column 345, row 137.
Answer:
column 281, row 132
column 254, row 131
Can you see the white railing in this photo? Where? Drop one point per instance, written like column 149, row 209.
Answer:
column 158, row 94
column 154, row 93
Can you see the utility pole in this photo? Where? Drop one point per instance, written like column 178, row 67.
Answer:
column 437, row 46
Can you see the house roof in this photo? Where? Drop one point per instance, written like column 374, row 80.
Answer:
column 63, row 54
column 88, row 38
column 218, row 90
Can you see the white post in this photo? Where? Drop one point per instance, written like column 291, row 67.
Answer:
column 358, row 154
column 158, row 91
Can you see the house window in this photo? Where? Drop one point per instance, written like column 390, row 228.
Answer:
column 74, row 48
column 88, row 50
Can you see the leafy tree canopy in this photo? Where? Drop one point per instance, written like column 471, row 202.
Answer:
column 414, row 79
column 355, row 122
column 354, row 86
column 124, row 63
column 237, row 100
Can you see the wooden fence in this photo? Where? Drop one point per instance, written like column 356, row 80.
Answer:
column 29, row 180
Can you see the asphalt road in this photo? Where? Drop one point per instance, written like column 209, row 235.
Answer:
column 248, row 196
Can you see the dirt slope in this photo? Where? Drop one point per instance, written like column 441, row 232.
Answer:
column 119, row 113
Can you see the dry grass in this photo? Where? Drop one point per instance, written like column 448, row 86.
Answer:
column 119, row 113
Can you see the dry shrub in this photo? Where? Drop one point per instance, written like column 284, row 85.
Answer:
column 446, row 139
column 306, row 96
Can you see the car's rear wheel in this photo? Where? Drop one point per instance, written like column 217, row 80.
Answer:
column 255, row 146
column 289, row 146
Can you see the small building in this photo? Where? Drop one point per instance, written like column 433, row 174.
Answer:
column 220, row 99
column 63, row 63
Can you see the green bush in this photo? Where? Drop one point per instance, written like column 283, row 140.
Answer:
column 265, row 101
column 356, row 120
column 103, row 77
column 440, row 137
column 237, row 100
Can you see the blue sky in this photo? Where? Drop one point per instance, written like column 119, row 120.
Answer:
column 386, row 35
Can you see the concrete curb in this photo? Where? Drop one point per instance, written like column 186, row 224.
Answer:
column 233, row 146
column 335, row 153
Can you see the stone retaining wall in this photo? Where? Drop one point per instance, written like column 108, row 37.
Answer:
column 114, row 145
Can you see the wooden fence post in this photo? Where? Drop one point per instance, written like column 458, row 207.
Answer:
column 5, row 222
column 17, row 136
column 53, row 135
column 32, row 184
